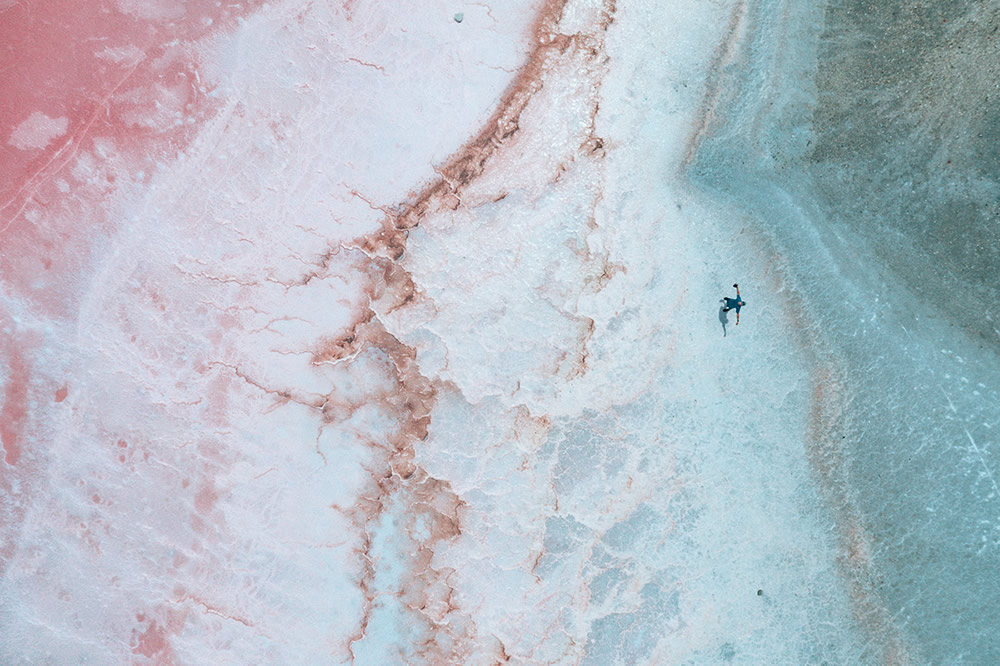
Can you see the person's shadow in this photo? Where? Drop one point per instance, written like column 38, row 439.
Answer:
column 723, row 319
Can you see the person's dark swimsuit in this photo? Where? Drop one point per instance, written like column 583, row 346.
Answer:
column 734, row 303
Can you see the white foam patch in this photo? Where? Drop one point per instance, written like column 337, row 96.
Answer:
column 37, row 131
column 152, row 9
column 122, row 54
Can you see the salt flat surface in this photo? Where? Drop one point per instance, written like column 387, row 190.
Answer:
column 390, row 333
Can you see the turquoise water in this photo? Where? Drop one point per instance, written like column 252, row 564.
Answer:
column 860, row 143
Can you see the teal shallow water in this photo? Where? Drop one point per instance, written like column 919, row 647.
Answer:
column 860, row 143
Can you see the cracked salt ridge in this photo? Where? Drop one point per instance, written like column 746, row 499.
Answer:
column 223, row 463
column 613, row 506
column 420, row 587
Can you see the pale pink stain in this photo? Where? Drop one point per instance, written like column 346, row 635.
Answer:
column 151, row 642
column 206, row 498
column 14, row 411
column 15, row 402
